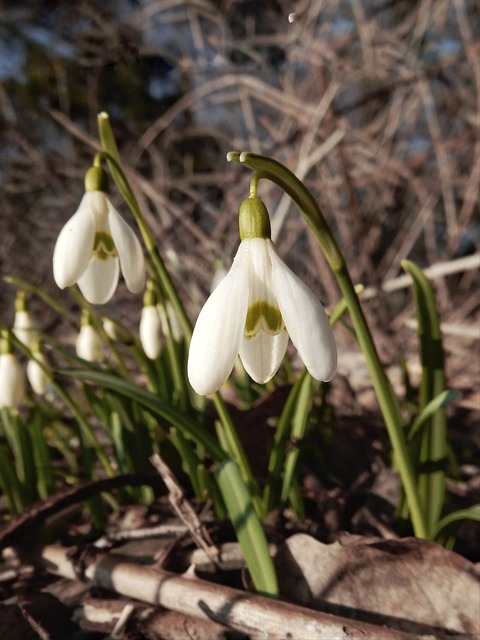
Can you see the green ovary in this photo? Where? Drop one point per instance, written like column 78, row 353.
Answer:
column 263, row 316
column 104, row 247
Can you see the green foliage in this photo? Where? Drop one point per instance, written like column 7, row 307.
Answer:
column 99, row 420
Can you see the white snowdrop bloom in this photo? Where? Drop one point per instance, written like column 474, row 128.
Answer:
column 252, row 312
column 116, row 331
column 95, row 244
column 89, row 345
column 150, row 331
column 12, row 377
column 24, row 327
column 38, row 374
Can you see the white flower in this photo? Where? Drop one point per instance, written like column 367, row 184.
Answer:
column 251, row 313
column 89, row 345
column 37, row 373
column 24, row 327
column 92, row 248
column 150, row 331
column 116, row 331
column 12, row 381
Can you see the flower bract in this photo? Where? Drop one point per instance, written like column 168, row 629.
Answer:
column 94, row 245
column 251, row 313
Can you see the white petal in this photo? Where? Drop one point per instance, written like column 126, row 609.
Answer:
column 305, row 320
column 262, row 355
column 129, row 249
column 99, row 281
column 218, row 330
column 12, row 381
column 24, row 328
column 74, row 245
column 37, row 376
column 151, row 332
column 89, row 345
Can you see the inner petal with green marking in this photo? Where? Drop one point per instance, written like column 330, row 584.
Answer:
column 104, row 247
column 263, row 316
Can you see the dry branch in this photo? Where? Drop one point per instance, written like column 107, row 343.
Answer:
column 258, row 616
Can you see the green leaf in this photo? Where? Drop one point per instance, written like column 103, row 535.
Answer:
column 445, row 397
column 9, row 483
column 432, row 448
column 471, row 513
column 18, row 437
column 272, row 491
column 248, row 528
column 152, row 403
column 41, row 455
column 299, row 425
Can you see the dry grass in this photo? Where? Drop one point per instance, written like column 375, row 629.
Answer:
column 374, row 104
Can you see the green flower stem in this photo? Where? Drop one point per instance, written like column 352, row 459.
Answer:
column 280, row 175
column 43, row 295
column 110, row 154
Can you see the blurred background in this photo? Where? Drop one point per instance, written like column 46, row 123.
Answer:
column 373, row 103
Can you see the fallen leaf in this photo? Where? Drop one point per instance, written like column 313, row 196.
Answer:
column 410, row 584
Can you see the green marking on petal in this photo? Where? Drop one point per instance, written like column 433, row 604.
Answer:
column 104, row 247
column 262, row 315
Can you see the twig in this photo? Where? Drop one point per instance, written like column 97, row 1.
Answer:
column 435, row 271
column 184, row 509
column 258, row 616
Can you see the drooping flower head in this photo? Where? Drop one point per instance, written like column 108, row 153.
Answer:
column 251, row 313
column 38, row 370
column 150, row 330
column 12, row 377
column 24, row 326
column 89, row 345
column 95, row 244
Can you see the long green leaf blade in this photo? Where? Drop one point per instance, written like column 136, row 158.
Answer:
column 248, row 527
column 433, row 447
column 151, row 402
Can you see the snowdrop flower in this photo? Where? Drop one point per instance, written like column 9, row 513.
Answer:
column 38, row 373
column 12, row 378
column 253, row 310
column 150, row 330
column 95, row 244
column 116, row 331
column 89, row 345
column 24, row 326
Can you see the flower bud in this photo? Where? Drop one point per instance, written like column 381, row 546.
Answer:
column 151, row 331
column 12, row 378
column 38, row 373
column 89, row 345
column 116, row 331
column 24, row 326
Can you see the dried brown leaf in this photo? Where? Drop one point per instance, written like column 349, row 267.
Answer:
column 412, row 584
